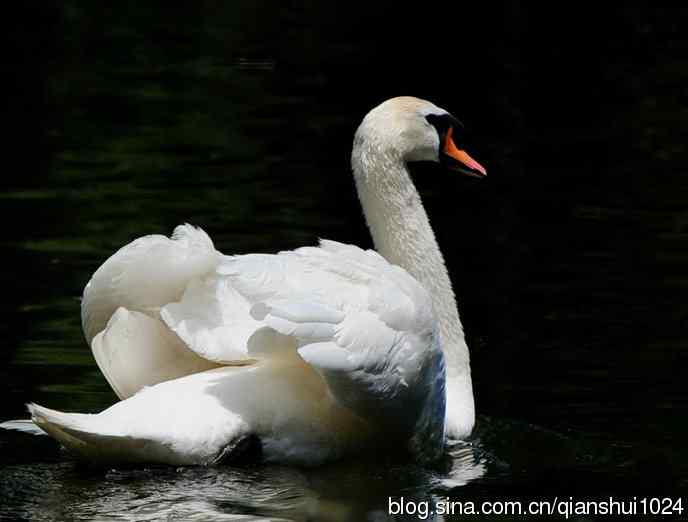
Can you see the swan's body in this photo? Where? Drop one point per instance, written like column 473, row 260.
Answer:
column 316, row 352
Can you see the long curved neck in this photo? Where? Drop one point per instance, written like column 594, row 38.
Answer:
column 401, row 232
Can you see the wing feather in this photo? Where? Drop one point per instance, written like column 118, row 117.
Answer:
column 145, row 275
column 364, row 325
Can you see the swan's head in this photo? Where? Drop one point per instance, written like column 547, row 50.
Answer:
column 417, row 130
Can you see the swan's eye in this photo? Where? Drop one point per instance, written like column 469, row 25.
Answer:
column 442, row 124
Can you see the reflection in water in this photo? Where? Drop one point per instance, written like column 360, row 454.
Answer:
column 341, row 492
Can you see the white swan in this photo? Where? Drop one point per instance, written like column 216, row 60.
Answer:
column 312, row 353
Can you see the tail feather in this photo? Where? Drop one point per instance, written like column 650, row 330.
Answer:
column 23, row 425
column 79, row 434
column 70, row 429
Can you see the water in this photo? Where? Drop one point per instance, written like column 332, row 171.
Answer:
column 569, row 259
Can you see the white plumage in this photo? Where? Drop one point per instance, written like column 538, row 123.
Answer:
column 317, row 352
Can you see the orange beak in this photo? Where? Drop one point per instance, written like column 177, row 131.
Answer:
column 473, row 167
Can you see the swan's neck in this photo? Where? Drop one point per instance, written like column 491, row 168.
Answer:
column 401, row 232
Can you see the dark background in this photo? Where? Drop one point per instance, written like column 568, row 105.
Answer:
column 569, row 260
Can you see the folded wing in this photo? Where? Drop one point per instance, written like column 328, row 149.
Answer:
column 163, row 308
column 120, row 308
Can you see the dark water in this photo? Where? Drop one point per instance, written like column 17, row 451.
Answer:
column 568, row 260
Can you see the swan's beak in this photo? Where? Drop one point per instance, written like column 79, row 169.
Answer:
column 459, row 159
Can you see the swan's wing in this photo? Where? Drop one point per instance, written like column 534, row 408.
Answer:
column 121, row 303
column 145, row 275
column 385, row 375
column 213, row 315
column 372, row 335
column 136, row 350
column 213, row 319
column 366, row 326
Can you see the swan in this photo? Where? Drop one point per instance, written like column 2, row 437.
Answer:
column 303, row 355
